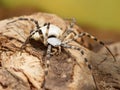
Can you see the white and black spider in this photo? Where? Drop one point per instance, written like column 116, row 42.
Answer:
column 52, row 36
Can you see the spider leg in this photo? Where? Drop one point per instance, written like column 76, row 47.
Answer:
column 85, row 59
column 32, row 31
column 69, row 29
column 76, row 48
column 46, row 34
column 91, row 37
column 47, row 64
column 72, row 21
column 27, row 19
column 24, row 44
column 28, row 38
column 66, row 33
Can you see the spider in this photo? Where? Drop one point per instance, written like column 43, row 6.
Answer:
column 53, row 37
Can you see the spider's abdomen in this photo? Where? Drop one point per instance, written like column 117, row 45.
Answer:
column 53, row 31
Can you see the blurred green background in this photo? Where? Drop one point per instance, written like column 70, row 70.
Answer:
column 100, row 15
column 96, row 13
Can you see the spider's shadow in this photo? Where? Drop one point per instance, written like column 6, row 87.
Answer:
column 37, row 45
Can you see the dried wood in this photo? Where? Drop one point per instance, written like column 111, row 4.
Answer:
column 24, row 70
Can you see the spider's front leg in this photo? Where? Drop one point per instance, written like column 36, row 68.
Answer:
column 85, row 59
column 47, row 59
column 47, row 64
column 78, row 49
column 91, row 37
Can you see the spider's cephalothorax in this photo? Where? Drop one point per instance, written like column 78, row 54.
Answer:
column 52, row 36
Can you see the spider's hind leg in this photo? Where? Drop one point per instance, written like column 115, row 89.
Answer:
column 32, row 32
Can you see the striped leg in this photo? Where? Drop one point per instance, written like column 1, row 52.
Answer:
column 32, row 31
column 27, row 19
column 32, row 20
column 46, row 34
column 72, row 21
column 91, row 37
column 77, row 48
column 28, row 38
column 47, row 64
column 47, row 58
column 85, row 60
column 69, row 29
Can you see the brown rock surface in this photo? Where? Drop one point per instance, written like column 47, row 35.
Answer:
column 68, row 71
